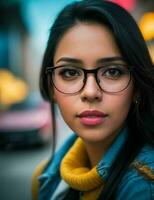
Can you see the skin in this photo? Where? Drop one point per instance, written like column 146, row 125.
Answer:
column 88, row 43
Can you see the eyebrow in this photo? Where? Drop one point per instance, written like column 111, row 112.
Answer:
column 99, row 61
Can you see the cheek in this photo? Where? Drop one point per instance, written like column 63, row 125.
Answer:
column 64, row 103
column 121, row 105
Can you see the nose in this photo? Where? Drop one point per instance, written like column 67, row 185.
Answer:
column 91, row 91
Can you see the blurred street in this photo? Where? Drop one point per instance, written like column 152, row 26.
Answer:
column 17, row 167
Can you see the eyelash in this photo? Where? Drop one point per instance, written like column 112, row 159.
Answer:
column 120, row 72
column 68, row 69
column 64, row 71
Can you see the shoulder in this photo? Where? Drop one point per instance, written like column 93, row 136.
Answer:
column 35, row 183
column 144, row 162
column 146, row 154
column 138, row 182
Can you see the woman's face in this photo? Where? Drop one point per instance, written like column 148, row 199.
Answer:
column 94, row 115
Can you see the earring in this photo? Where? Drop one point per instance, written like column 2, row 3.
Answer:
column 136, row 101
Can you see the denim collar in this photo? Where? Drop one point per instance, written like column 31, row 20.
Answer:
column 50, row 178
column 107, row 160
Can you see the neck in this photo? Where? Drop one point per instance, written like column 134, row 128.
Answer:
column 96, row 150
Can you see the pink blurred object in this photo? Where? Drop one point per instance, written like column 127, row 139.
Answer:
column 28, row 119
column 22, row 127
column 128, row 4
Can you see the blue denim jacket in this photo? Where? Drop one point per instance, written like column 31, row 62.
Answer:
column 135, row 184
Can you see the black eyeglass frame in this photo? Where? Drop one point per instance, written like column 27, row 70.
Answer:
column 49, row 70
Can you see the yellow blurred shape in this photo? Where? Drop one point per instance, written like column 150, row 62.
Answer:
column 146, row 25
column 12, row 89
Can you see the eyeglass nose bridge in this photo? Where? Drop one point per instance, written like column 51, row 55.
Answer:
column 91, row 71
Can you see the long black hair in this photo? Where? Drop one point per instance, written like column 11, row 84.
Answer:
column 134, row 50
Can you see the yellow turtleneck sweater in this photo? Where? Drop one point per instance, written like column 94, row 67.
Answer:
column 75, row 171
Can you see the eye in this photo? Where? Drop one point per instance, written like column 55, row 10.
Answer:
column 113, row 72
column 116, row 71
column 69, row 72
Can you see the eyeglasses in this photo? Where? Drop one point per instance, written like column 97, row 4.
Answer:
column 69, row 79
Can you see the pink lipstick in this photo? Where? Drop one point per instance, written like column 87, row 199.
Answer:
column 92, row 117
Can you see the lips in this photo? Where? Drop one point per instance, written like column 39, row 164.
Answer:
column 92, row 117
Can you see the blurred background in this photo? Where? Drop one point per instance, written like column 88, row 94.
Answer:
column 25, row 120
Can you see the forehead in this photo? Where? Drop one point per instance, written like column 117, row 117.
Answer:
column 88, row 42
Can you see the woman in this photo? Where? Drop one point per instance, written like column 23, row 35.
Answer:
column 98, row 70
